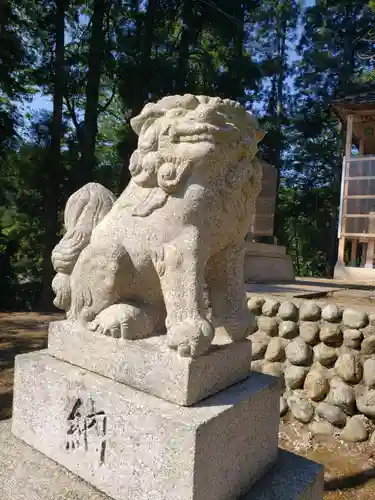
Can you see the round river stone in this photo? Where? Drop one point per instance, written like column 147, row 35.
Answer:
column 331, row 313
column 349, row 368
column 270, row 307
column 288, row 329
column 309, row 331
column 288, row 311
column 309, row 311
column 299, row 353
column 352, row 318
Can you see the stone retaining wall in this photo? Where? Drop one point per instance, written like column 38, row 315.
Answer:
column 325, row 356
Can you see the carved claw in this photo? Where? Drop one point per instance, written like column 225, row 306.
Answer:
column 94, row 326
column 111, row 328
column 191, row 338
column 123, row 321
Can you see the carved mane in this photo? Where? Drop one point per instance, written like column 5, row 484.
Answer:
column 174, row 118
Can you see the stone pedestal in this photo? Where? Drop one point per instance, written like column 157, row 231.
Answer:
column 132, row 445
column 26, row 474
column 149, row 365
column 353, row 274
column 267, row 263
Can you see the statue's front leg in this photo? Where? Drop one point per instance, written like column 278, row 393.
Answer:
column 180, row 265
column 225, row 280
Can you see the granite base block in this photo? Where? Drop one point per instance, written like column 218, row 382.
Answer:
column 134, row 446
column 149, row 365
column 26, row 474
column 292, row 478
column 267, row 263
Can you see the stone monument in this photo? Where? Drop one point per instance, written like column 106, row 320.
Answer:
column 143, row 392
column 265, row 260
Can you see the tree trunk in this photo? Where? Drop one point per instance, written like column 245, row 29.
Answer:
column 346, row 76
column 235, row 90
column 279, row 114
column 144, row 65
column 188, row 34
column 144, row 76
column 51, row 200
column 95, row 61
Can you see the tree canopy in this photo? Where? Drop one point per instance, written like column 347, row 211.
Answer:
column 99, row 61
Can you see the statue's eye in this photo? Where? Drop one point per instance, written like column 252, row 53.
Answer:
column 166, row 131
column 149, row 139
column 172, row 113
column 146, row 124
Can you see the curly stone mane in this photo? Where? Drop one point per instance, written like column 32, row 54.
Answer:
column 189, row 118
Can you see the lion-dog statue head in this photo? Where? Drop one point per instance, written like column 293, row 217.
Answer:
column 183, row 135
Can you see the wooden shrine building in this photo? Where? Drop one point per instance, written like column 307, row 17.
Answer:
column 356, row 231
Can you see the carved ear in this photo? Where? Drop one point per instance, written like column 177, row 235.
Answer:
column 171, row 175
column 155, row 199
column 144, row 171
column 238, row 175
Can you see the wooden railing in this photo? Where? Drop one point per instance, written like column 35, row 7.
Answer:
column 357, row 208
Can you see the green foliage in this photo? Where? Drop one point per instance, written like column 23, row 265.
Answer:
column 306, row 226
column 330, row 48
column 242, row 50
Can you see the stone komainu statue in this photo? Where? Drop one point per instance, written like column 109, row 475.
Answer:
column 136, row 266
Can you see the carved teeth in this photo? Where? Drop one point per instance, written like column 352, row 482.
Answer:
column 196, row 138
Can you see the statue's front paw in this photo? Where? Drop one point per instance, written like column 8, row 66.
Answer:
column 124, row 321
column 238, row 326
column 191, row 337
column 106, row 323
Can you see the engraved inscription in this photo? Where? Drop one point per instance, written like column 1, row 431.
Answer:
column 87, row 428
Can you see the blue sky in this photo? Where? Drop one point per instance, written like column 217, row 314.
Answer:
column 45, row 102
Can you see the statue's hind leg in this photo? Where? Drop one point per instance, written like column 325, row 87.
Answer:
column 225, row 280
column 128, row 321
column 100, row 284
column 98, row 280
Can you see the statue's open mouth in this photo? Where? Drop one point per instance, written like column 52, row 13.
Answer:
column 198, row 132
